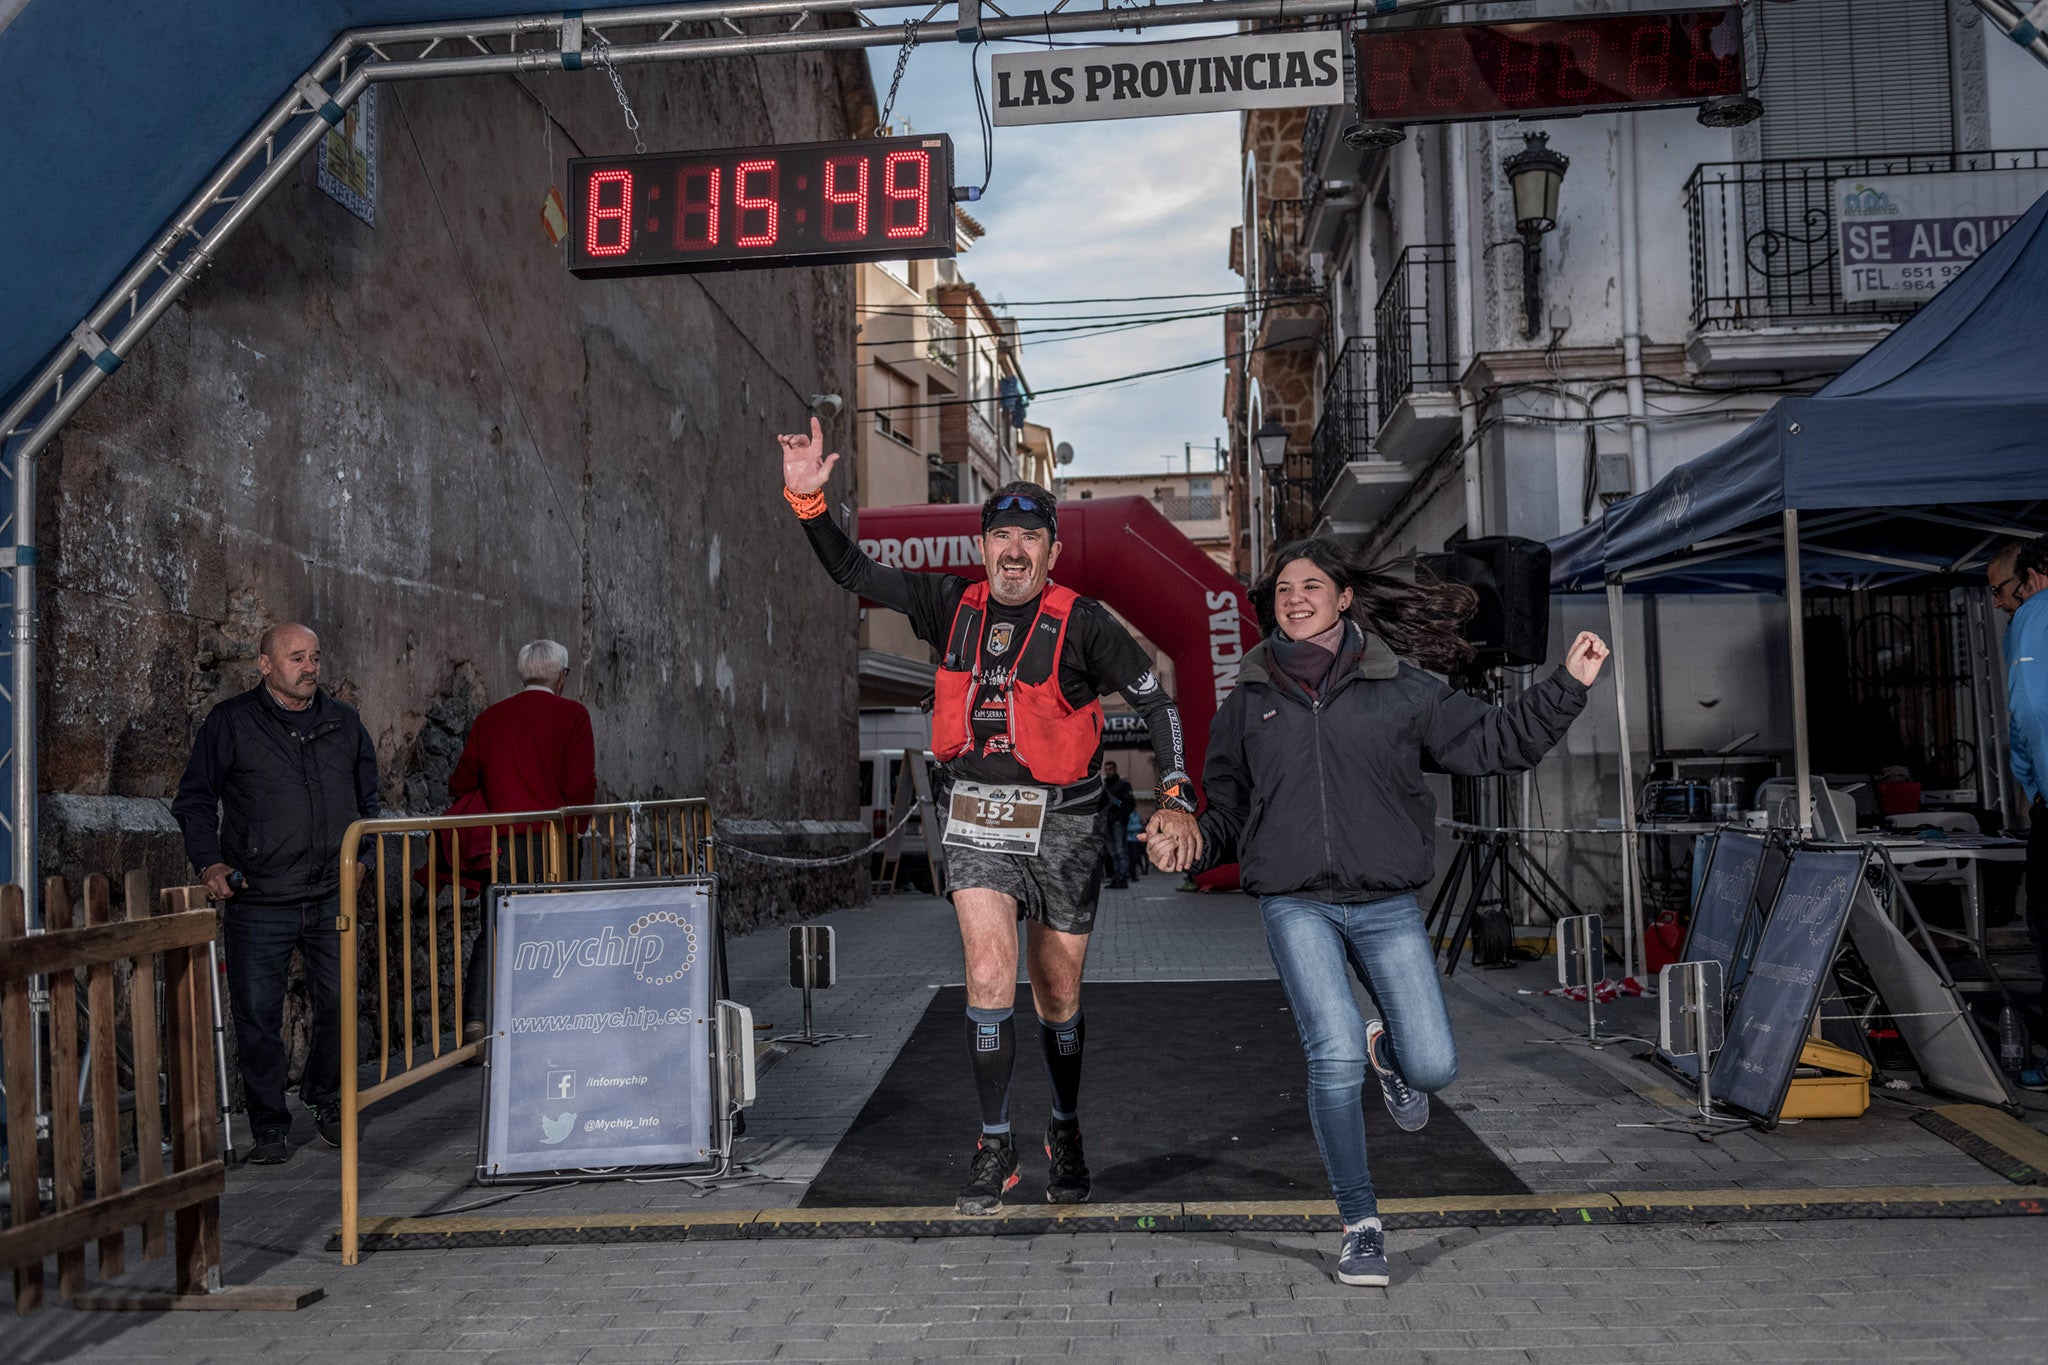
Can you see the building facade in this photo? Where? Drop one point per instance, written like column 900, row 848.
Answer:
column 427, row 441
column 941, row 419
column 1435, row 384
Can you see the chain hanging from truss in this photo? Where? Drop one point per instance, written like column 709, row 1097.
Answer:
column 604, row 59
column 902, row 61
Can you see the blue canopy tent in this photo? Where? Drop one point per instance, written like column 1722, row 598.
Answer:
column 1907, row 467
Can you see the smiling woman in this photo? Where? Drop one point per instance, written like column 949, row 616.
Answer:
column 1314, row 779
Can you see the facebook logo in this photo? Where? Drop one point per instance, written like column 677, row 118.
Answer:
column 561, row 1085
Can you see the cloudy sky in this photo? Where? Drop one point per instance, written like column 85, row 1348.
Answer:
column 1096, row 210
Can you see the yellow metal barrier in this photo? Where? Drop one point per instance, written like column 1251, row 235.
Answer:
column 665, row 838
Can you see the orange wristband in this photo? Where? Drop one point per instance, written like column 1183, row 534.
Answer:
column 809, row 506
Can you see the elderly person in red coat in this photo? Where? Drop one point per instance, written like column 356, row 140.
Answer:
column 532, row 751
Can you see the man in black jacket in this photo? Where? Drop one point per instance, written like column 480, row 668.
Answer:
column 276, row 777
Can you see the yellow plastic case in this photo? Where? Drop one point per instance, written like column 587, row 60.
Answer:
column 1842, row 1093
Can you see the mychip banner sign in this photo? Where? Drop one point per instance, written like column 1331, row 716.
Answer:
column 1900, row 238
column 1286, row 70
column 602, row 1029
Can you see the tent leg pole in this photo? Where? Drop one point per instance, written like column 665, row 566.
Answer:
column 1631, row 927
column 23, row 681
column 1795, row 634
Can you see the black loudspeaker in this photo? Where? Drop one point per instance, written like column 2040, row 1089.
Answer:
column 1512, row 577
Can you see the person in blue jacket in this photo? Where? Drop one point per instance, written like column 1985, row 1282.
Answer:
column 2026, row 695
column 1315, row 784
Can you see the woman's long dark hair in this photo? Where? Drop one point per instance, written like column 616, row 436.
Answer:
column 1419, row 620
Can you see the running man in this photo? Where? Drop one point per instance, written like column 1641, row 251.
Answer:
column 1016, row 727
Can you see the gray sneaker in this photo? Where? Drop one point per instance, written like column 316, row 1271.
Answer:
column 1362, row 1259
column 1409, row 1107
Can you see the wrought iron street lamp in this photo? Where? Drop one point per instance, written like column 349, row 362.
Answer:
column 1535, row 173
column 1272, row 443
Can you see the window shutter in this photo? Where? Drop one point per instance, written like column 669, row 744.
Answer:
column 1855, row 77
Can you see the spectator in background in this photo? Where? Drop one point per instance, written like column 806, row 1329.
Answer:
column 1134, row 847
column 2003, row 571
column 1118, row 801
column 276, row 777
column 2026, row 691
column 532, row 751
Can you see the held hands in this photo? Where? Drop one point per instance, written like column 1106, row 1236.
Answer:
column 1584, row 658
column 1172, row 840
column 805, row 466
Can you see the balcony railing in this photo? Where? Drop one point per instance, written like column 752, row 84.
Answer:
column 1412, row 323
column 941, row 345
column 1283, row 250
column 1763, row 235
column 942, row 482
column 1350, row 416
column 1191, row 509
column 1296, row 502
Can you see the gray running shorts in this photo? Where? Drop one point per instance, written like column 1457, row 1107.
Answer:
column 1058, row 888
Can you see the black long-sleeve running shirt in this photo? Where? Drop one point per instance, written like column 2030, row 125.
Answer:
column 1099, row 657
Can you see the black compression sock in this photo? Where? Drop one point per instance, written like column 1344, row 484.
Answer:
column 992, row 1040
column 1060, row 1044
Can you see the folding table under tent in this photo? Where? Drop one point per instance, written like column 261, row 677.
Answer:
column 1908, row 467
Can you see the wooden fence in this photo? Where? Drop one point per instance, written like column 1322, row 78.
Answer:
column 189, row 1192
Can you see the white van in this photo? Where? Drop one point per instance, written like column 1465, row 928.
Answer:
column 885, row 732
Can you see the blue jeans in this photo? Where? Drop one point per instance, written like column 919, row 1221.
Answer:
column 259, row 942
column 1385, row 944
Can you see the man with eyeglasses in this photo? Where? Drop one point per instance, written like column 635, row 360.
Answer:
column 2018, row 573
column 1016, row 726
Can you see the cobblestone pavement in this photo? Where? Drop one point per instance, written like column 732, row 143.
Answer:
column 1904, row 1289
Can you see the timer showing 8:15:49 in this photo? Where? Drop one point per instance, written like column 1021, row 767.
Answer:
column 746, row 207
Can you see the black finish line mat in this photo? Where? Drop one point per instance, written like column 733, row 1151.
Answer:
column 1192, row 1091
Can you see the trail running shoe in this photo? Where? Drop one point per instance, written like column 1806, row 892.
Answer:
column 1362, row 1259
column 1409, row 1107
column 995, row 1172
column 1066, row 1181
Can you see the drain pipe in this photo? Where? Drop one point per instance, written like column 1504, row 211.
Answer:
column 1461, row 265
column 1631, row 306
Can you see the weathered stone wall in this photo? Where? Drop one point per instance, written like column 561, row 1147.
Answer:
column 429, row 442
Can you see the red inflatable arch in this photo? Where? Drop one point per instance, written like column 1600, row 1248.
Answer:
column 1120, row 551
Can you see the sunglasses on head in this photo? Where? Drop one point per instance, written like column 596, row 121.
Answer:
column 1018, row 502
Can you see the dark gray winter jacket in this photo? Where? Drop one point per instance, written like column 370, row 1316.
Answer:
column 1325, row 798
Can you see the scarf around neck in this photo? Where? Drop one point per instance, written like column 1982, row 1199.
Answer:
column 1308, row 661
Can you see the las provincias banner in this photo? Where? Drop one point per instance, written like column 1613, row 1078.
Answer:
column 1141, row 80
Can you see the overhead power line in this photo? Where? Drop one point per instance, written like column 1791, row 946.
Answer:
column 1069, row 388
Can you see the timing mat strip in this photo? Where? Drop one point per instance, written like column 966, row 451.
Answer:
column 1992, row 1136
column 1608, row 1207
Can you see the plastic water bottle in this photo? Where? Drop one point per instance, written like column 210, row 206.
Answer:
column 2012, row 1039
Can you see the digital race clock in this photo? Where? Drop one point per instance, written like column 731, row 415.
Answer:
column 1554, row 66
column 818, row 203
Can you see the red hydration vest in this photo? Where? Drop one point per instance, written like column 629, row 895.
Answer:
column 1054, row 741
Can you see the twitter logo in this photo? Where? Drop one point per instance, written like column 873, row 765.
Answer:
column 556, row 1129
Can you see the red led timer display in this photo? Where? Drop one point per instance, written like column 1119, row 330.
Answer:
column 819, row 203
column 1598, row 61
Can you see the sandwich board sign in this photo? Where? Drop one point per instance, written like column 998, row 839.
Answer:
column 602, row 1028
